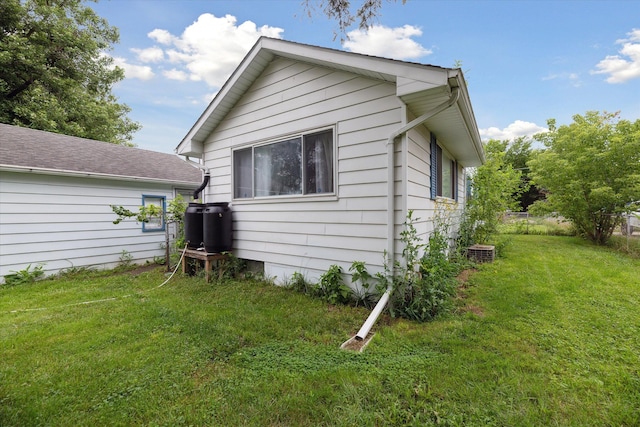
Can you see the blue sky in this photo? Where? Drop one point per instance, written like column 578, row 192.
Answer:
column 524, row 61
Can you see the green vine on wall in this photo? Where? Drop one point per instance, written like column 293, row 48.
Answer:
column 174, row 213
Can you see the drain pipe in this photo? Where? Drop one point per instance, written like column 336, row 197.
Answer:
column 205, row 179
column 384, row 299
column 196, row 192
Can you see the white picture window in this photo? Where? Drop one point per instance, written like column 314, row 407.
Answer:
column 299, row 165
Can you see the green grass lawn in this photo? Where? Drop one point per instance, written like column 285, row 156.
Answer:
column 547, row 335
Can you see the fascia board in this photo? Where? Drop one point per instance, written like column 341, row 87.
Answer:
column 466, row 109
column 60, row 172
column 195, row 133
column 417, row 75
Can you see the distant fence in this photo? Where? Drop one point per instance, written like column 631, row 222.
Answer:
column 525, row 223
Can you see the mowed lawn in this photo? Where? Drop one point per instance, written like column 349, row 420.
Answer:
column 547, row 335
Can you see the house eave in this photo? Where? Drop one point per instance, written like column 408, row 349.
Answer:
column 455, row 128
column 76, row 174
column 408, row 77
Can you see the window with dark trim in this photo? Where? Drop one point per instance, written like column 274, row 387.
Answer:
column 298, row 165
column 155, row 223
column 444, row 172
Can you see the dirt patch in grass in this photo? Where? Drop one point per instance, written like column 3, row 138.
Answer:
column 473, row 309
column 462, row 294
column 357, row 345
column 464, row 275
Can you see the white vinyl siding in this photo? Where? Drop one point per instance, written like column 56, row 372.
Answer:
column 289, row 234
column 418, row 185
column 64, row 222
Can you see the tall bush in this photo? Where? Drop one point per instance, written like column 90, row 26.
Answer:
column 423, row 286
column 496, row 188
column 591, row 171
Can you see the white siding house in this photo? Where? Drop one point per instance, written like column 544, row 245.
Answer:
column 55, row 197
column 321, row 154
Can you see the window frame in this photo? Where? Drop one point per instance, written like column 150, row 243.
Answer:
column 147, row 226
column 438, row 156
column 303, row 194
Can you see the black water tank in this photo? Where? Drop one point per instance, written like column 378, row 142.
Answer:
column 193, row 223
column 216, row 227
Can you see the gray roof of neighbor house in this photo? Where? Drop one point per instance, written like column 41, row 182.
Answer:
column 46, row 152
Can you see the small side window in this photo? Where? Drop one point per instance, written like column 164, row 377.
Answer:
column 156, row 222
column 444, row 173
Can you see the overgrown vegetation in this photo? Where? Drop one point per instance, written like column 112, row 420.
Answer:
column 24, row 276
column 422, row 283
column 229, row 268
column 529, row 224
column 625, row 244
column 332, row 288
column 423, row 286
column 545, row 336
column 174, row 214
column 496, row 188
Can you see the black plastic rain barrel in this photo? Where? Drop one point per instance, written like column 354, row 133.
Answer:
column 193, row 224
column 216, row 227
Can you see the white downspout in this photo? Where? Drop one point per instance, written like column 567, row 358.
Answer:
column 384, row 299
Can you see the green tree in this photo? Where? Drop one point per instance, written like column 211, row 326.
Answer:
column 591, row 170
column 496, row 187
column 54, row 74
column 518, row 153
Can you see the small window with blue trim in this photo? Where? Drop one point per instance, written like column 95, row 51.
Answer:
column 155, row 222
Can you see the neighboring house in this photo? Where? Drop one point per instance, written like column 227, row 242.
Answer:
column 321, row 154
column 55, row 197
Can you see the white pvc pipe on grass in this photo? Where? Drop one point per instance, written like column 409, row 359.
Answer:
column 382, row 302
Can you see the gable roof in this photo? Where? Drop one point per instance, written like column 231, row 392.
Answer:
column 421, row 87
column 45, row 152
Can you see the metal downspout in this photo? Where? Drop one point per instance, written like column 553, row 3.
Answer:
column 384, row 299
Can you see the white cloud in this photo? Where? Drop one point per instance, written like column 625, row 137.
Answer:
column 151, row 54
column 572, row 78
column 161, row 36
column 174, row 74
column 514, row 130
column 396, row 43
column 626, row 65
column 211, row 48
column 132, row 71
column 208, row 50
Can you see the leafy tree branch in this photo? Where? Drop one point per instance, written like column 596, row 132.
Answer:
column 591, row 171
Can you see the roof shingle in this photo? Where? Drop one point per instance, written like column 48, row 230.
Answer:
column 35, row 149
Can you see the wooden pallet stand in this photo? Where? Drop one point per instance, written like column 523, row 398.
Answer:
column 208, row 258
